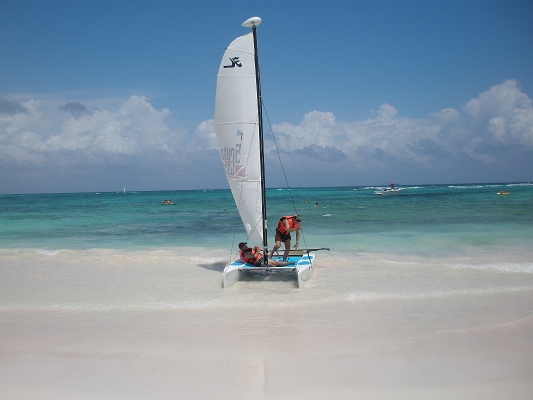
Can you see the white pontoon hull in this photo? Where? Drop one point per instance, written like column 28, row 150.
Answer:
column 387, row 192
column 302, row 269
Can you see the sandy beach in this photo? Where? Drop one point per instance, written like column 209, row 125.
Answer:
column 177, row 355
column 471, row 347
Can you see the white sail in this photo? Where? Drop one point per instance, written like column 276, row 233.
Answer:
column 237, row 131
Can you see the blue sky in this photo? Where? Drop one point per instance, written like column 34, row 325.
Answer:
column 100, row 95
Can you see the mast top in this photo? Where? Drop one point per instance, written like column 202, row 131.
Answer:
column 252, row 22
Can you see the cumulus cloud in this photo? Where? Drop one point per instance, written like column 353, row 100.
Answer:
column 491, row 136
column 482, row 131
column 39, row 137
column 503, row 114
column 204, row 138
column 358, row 141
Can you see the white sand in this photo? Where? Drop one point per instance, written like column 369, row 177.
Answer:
column 278, row 354
column 100, row 325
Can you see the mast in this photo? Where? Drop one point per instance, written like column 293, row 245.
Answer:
column 253, row 23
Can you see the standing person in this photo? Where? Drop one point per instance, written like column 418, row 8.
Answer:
column 286, row 225
column 255, row 257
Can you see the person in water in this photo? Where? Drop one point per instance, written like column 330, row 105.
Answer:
column 286, row 225
column 255, row 257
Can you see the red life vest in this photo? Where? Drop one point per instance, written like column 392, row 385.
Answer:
column 292, row 223
column 254, row 259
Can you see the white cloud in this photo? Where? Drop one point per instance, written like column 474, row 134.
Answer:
column 204, row 138
column 316, row 128
column 48, row 134
column 485, row 127
column 504, row 113
column 358, row 140
column 42, row 134
column 386, row 112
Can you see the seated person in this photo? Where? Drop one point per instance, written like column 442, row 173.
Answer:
column 255, row 257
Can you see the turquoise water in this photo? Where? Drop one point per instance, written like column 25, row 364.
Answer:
column 421, row 220
column 100, row 251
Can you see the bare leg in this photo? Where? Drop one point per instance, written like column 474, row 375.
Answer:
column 287, row 248
column 273, row 263
column 275, row 248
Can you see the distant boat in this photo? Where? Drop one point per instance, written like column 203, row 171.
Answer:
column 502, row 192
column 391, row 188
column 239, row 131
column 124, row 190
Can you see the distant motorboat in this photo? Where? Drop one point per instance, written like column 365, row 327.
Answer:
column 391, row 188
column 502, row 192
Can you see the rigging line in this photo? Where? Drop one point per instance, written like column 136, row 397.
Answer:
column 282, row 167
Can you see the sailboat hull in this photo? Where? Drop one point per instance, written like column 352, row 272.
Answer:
column 231, row 273
column 302, row 269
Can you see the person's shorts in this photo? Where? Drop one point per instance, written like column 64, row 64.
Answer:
column 281, row 237
column 259, row 263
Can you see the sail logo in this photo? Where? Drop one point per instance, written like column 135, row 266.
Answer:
column 231, row 161
column 234, row 62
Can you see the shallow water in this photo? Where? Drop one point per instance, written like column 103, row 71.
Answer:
column 419, row 220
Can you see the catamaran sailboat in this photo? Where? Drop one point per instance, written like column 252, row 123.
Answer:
column 239, row 131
